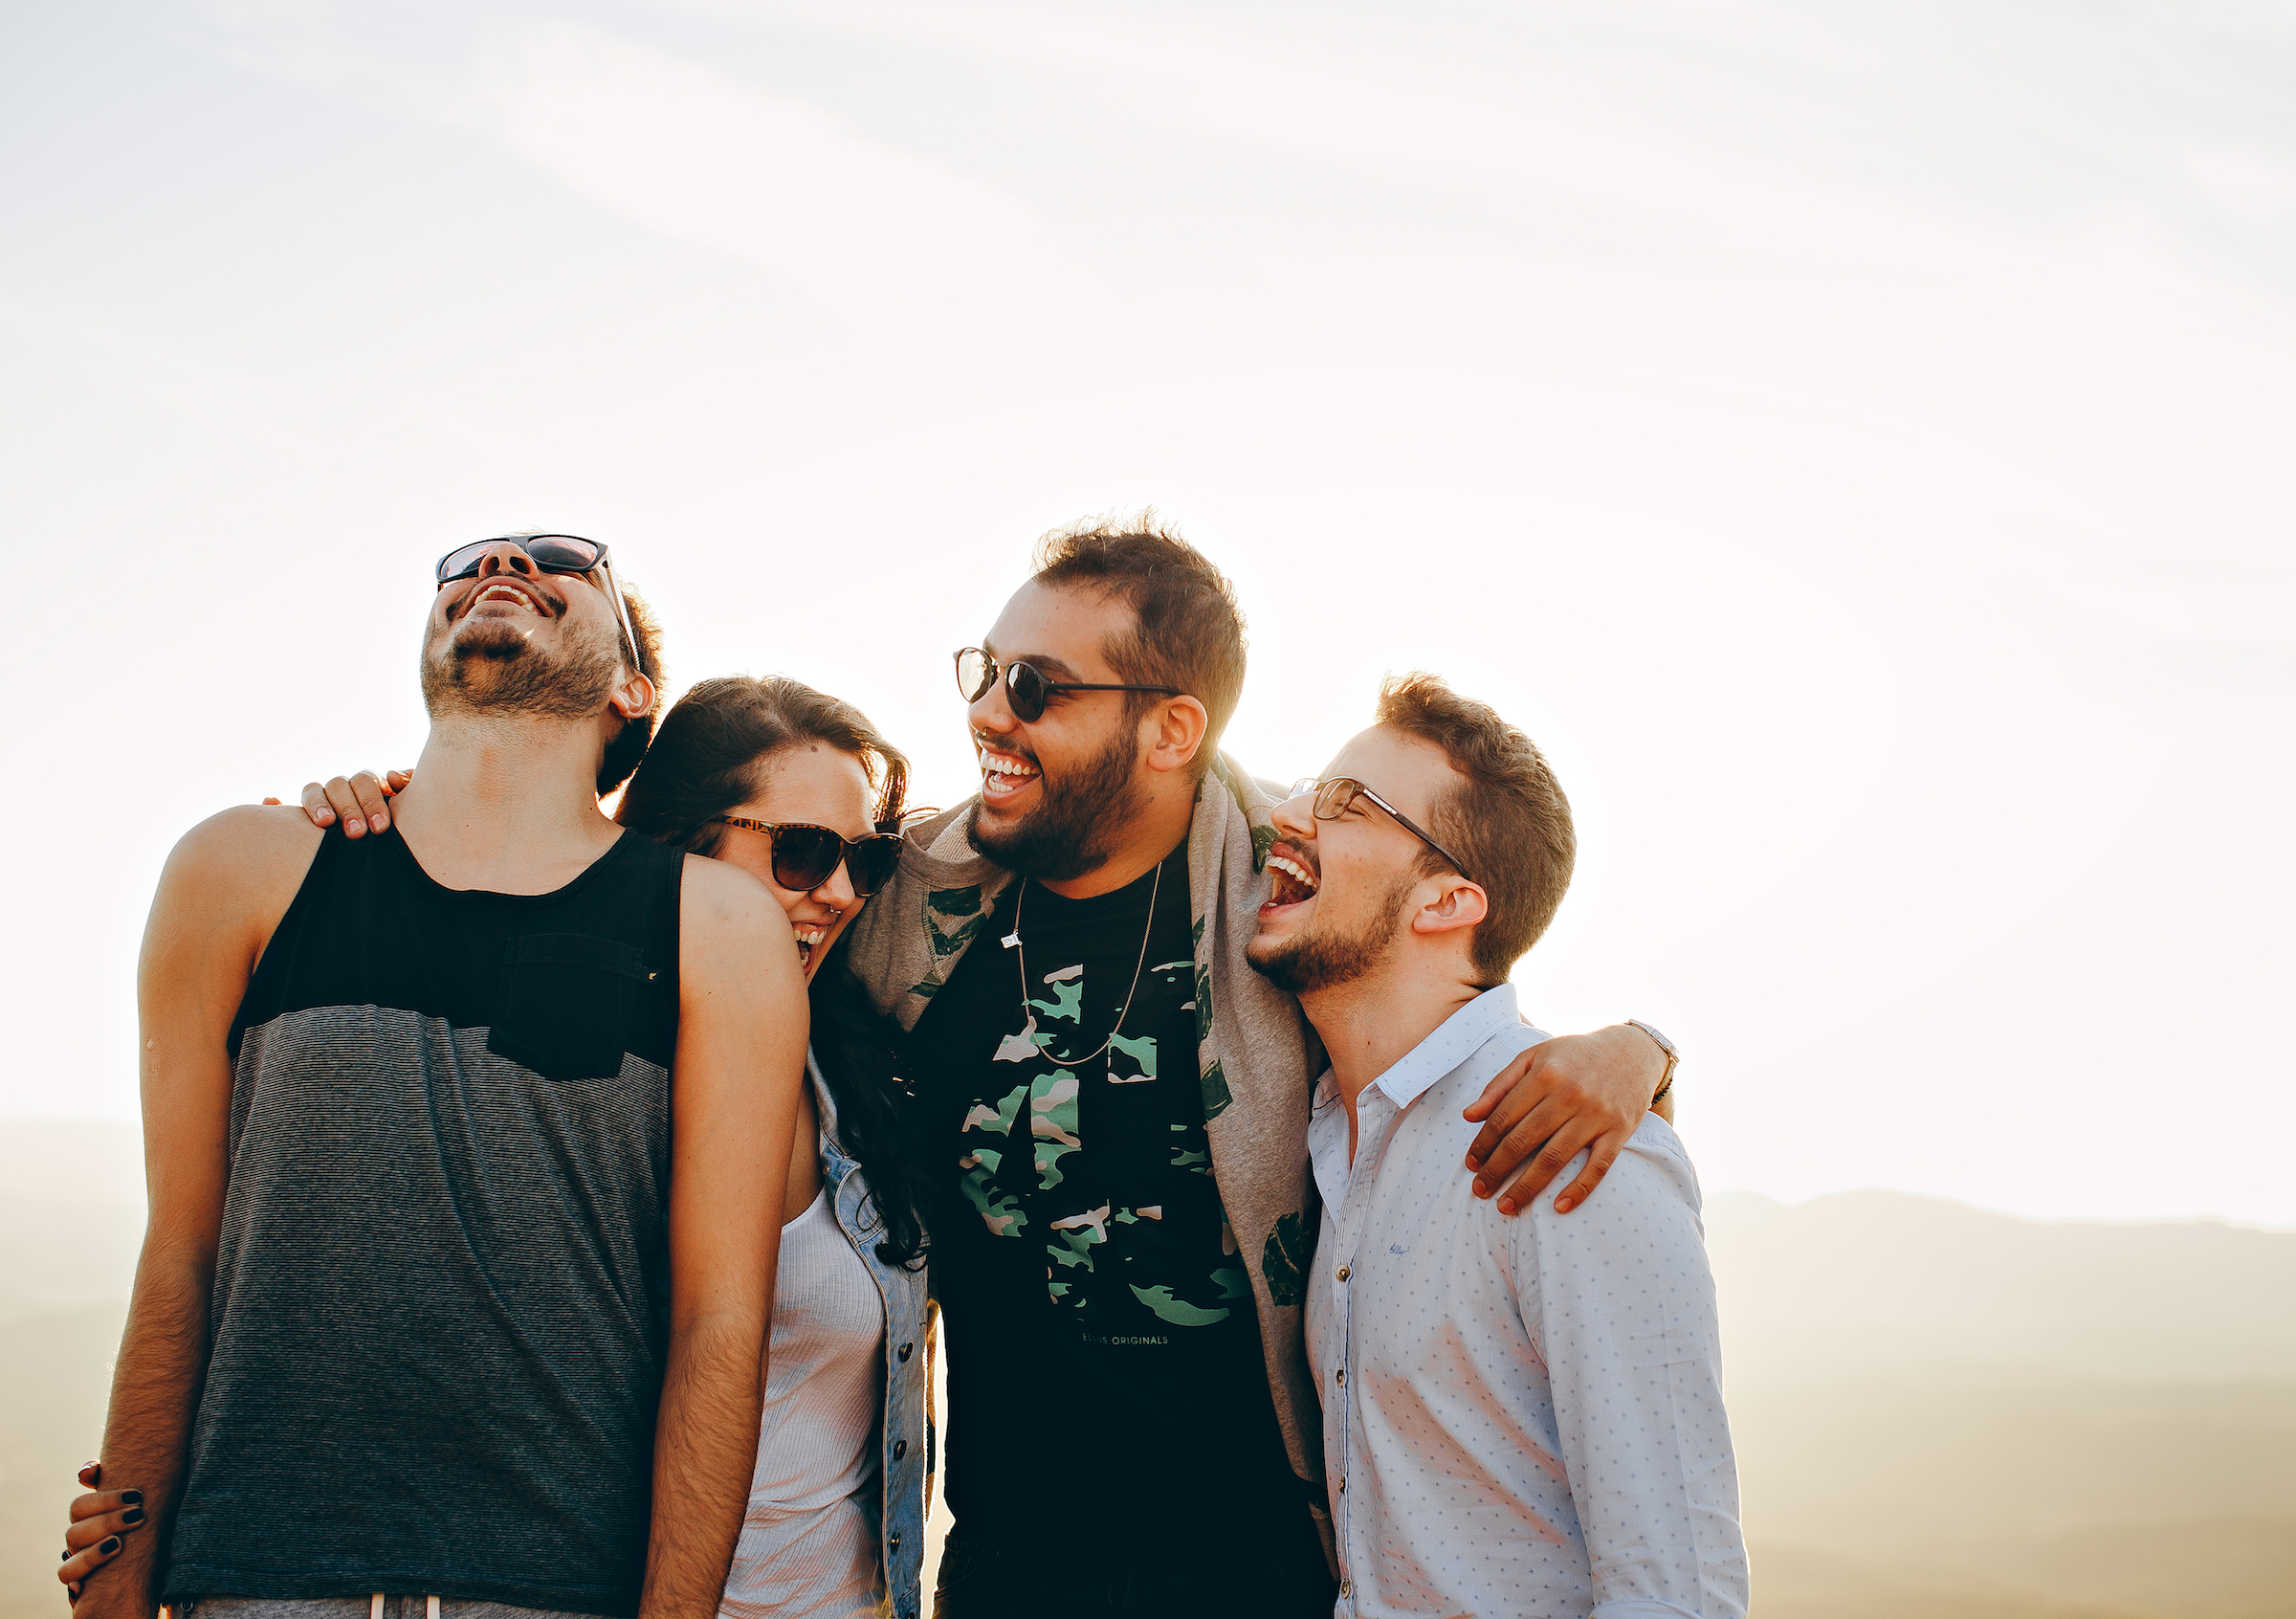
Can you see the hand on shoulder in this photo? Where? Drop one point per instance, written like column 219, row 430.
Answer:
column 1650, row 1201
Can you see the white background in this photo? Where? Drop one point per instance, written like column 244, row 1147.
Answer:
column 1852, row 438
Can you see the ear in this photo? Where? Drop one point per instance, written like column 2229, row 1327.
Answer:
column 1457, row 903
column 634, row 697
column 1174, row 730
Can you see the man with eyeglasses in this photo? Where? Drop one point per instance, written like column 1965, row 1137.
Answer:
column 463, row 1151
column 1117, row 1108
column 1520, row 1417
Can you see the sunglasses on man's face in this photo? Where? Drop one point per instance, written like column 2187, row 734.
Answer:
column 1334, row 796
column 805, row 855
column 552, row 553
column 1026, row 687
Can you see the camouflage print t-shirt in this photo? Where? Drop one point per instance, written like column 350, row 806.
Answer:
column 1108, row 1401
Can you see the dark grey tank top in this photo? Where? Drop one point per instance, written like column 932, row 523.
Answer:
column 439, row 1316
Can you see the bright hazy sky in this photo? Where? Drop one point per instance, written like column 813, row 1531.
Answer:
column 1851, row 437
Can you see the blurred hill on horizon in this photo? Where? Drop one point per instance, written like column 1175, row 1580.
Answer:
column 1940, row 1411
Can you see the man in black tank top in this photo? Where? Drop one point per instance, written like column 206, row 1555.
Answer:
column 463, row 1149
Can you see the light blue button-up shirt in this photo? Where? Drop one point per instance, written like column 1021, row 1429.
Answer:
column 1521, row 1416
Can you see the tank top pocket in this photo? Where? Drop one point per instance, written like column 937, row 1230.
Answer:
column 563, row 1003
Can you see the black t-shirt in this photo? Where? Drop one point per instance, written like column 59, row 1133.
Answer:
column 1109, row 1403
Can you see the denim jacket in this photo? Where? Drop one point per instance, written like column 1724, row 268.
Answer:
column 902, row 1429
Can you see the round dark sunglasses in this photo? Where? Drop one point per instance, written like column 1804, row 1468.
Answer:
column 552, row 553
column 1334, row 796
column 805, row 855
column 1026, row 687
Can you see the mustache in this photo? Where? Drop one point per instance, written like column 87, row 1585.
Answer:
column 993, row 745
column 552, row 604
column 1301, row 852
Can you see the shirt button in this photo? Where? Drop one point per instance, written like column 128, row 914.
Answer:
column 1342, row 1272
column 900, row 1449
column 1343, row 1486
column 895, row 1541
column 905, row 1348
column 1343, row 1377
column 1347, row 1587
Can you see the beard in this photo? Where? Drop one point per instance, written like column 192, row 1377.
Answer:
column 1324, row 959
column 485, row 666
column 1078, row 823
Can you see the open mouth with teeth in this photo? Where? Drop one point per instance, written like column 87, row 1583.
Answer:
column 809, row 936
column 1293, row 878
column 1004, row 776
column 504, row 592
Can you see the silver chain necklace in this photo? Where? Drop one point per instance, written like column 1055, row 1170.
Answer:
column 1013, row 940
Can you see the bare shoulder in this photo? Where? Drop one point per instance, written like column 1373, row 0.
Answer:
column 728, row 919
column 254, row 830
column 246, row 851
column 718, row 895
column 227, row 884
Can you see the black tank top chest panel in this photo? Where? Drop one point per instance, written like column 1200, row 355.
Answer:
column 564, row 982
column 440, row 1312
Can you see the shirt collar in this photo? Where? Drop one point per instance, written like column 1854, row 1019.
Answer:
column 1455, row 1039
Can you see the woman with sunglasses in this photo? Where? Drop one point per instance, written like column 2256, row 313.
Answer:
column 800, row 789
column 802, row 792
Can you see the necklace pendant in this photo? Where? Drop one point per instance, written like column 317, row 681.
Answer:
column 1011, row 939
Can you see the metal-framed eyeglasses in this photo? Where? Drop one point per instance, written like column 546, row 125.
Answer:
column 1332, row 796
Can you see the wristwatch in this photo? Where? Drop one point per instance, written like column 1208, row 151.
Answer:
column 1665, row 1080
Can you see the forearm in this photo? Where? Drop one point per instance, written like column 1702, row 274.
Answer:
column 740, row 1063
column 223, row 888
column 147, row 1432
column 704, row 1450
column 1662, row 1098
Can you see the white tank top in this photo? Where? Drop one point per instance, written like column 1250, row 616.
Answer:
column 808, row 1543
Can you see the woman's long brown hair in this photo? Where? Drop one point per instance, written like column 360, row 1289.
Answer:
column 709, row 758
